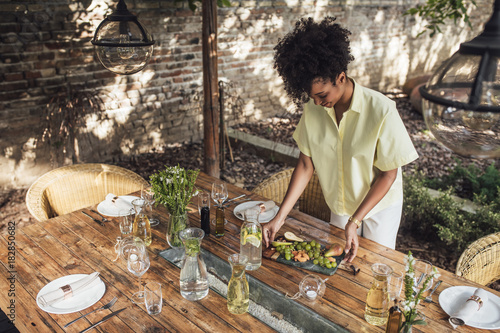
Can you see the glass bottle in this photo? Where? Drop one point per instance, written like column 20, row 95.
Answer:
column 219, row 221
column 394, row 320
column 238, row 294
column 194, row 277
column 251, row 238
column 141, row 228
column 377, row 301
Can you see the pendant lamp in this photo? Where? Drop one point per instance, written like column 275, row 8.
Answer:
column 122, row 44
column 461, row 101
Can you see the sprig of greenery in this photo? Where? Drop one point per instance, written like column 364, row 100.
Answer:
column 174, row 187
column 412, row 299
column 437, row 11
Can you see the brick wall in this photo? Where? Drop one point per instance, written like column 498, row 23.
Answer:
column 46, row 56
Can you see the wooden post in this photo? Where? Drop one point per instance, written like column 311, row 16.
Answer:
column 210, row 89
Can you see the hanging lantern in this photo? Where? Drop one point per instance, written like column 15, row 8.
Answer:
column 122, row 44
column 461, row 101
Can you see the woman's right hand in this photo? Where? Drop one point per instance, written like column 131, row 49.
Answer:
column 270, row 229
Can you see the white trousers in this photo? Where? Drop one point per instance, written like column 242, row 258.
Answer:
column 381, row 227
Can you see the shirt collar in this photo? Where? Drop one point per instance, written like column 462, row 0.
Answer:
column 357, row 98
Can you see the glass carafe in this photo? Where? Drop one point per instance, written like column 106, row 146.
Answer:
column 377, row 301
column 194, row 277
column 141, row 228
column 251, row 238
column 238, row 294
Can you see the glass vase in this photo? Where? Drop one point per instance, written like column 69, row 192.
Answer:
column 176, row 223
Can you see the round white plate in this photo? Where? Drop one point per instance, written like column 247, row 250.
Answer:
column 76, row 303
column 488, row 317
column 263, row 217
column 108, row 209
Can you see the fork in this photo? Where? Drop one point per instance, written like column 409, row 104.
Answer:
column 428, row 299
column 107, row 306
column 103, row 218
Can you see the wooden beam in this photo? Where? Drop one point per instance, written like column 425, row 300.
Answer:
column 210, row 89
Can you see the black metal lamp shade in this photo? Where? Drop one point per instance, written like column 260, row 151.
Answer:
column 461, row 101
column 122, row 44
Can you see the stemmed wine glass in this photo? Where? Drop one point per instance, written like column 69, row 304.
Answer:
column 138, row 264
column 148, row 195
column 219, row 195
column 423, row 270
column 219, row 192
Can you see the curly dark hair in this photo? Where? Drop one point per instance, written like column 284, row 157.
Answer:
column 311, row 51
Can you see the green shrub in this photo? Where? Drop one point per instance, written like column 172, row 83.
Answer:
column 441, row 218
column 469, row 181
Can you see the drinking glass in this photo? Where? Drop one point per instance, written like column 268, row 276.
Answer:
column 153, row 297
column 219, row 192
column 138, row 264
column 423, row 269
column 148, row 195
column 126, row 222
column 395, row 286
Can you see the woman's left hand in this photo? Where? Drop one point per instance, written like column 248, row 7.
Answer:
column 352, row 242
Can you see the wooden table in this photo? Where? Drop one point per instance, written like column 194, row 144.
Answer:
column 74, row 244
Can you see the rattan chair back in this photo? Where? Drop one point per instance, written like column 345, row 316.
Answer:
column 480, row 262
column 311, row 202
column 74, row 187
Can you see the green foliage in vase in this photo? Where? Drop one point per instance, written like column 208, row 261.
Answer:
column 174, row 188
column 413, row 297
column 437, row 11
column 442, row 218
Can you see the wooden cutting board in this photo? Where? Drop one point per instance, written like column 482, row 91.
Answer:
column 271, row 254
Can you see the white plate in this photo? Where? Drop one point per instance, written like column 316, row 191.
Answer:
column 108, row 209
column 263, row 217
column 452, row 298
column 76, row 303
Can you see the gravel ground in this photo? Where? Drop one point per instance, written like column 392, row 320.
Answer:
column 248, row 169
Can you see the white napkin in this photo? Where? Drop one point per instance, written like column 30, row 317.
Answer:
column 260, row 208
column 119, row 203
column 73, row 289
column 469, row 308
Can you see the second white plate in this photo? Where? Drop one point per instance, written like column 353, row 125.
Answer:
column 263, row 217
column 108, row 209
column 75, row 303
column 452, row 298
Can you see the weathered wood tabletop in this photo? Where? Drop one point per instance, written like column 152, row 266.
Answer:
column 74, row 244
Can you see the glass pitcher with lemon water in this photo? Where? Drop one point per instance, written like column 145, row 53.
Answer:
column 251, row 238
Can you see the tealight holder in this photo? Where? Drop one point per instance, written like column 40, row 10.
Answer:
column 312, row 287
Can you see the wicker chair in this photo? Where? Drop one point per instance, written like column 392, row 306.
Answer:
column 73, row 187
column 480, row 262
column 310, row 202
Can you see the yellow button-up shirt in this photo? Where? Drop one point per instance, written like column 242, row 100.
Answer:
column 347, row 157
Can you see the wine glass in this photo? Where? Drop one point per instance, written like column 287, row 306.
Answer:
column 423, row 270
column 138, row 264
column 219, row 192
column 149, row 196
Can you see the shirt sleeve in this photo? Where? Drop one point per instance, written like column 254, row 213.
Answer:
column 394, row 146
column 300, row 136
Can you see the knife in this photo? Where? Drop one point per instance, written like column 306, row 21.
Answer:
column 228, row 201
column 101, row 223
column 103, row 320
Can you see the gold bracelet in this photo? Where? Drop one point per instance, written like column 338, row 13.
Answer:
column 356, row 221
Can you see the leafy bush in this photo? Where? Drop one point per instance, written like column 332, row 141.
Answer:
column 442, row 219
column 468, row 182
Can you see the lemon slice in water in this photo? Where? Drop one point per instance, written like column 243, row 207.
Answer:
column 252, row 239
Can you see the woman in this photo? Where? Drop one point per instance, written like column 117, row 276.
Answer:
column 351, row 135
